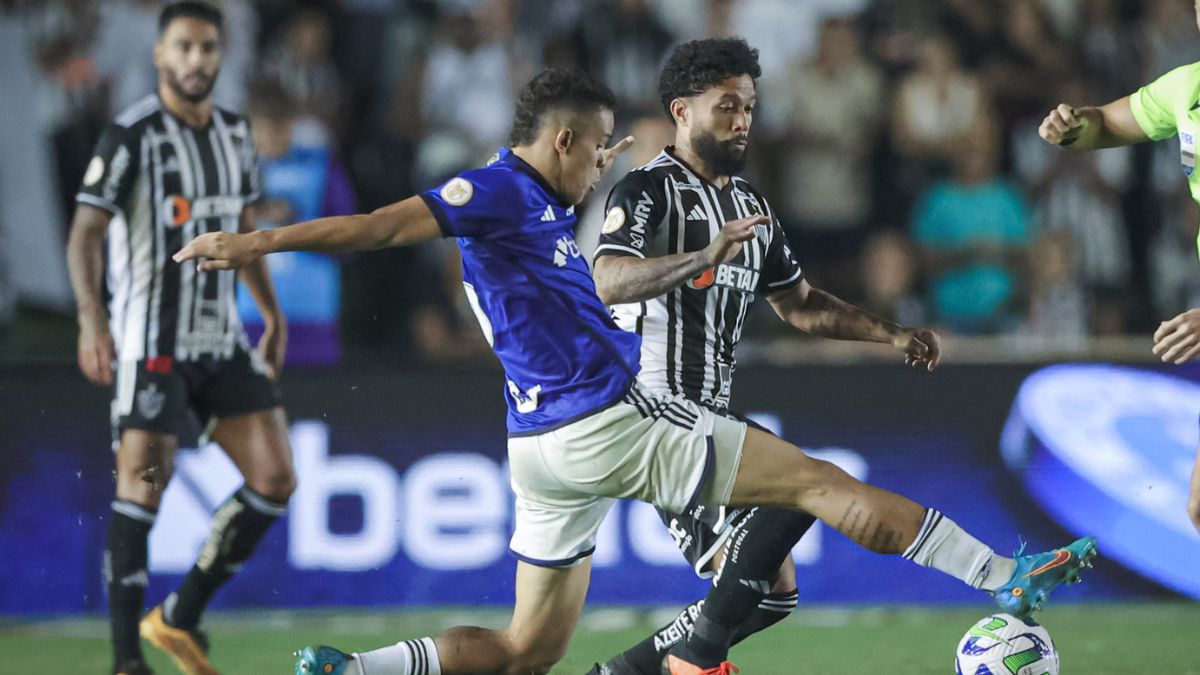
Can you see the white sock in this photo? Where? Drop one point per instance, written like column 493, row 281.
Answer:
column 411, row 657
column 944, row 546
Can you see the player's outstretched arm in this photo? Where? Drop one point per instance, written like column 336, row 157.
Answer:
column 815, row 311
column 621, row 279
column 1107, row 126
column 406, row 222
column 85, row 260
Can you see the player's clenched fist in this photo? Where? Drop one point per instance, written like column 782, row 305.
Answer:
column 1062, row 124
column 219, row 251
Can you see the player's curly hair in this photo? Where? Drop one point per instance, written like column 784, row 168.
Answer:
column 697, row 65
column 191, row 9
column 556, row 89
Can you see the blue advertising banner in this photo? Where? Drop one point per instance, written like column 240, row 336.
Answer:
column 403, row 495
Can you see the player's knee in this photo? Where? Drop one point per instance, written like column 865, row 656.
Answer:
column 536, row 656
column 785, row 579
column 142, row 484
column 276, row 485
column 819, row 479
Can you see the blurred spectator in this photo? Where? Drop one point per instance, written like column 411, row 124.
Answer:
column 1027, row 61
column 302, row 62
column 889, row 271
column 830, row 108
column 937, row 106
column 623, row 43
column 1080, row 195
column 1168, row 37
column 1174, row 283
column 784, row 31
column 972, row 231
column 1058, row 310
column 467, row 96
column 1109, row 48
column 299, row 182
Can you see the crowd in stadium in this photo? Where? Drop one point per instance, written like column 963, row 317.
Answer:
column 896, row 138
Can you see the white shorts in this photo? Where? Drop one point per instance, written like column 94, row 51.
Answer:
column 669, row 452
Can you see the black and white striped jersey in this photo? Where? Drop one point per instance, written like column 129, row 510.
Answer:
column 689, row 335
column 166, row 183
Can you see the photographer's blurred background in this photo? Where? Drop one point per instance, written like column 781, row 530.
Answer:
column 896, row 138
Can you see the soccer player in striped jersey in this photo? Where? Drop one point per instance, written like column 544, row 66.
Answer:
column 581, row 430
column 1168, row 106
column 690, row 321
column 170, row 168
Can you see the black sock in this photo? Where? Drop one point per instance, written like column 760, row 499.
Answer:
column 126, row 576
column 758, row 546
column 773, row 608
column 645, row 658
column 237, row 528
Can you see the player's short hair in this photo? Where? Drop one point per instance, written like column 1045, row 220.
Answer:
column 556, row 89
column 191, row 9
column 695, row 66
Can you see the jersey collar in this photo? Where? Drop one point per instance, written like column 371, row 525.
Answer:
column 669, row 151
column 507, row 155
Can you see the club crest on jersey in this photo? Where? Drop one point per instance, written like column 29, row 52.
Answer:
column 614, row 220
column 150, row 402
column 457, row 192
column 734, row 277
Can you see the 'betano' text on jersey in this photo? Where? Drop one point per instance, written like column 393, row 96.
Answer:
column 165, row 184
column 533, row 294
column 689, row 335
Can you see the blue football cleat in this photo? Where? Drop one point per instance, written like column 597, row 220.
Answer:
column 1038, row 574
column 322, row 660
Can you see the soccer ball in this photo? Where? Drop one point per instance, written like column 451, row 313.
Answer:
column 1002, row 644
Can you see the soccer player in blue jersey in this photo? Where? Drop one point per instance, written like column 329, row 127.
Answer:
column 581, row 431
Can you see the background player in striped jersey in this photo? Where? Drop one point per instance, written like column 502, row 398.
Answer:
column 170, row 168
column 1169, row 106
column 582, row 431
column 658, row 217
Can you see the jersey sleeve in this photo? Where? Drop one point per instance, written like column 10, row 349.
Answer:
column 109, row 178
column 780, row 270
column 483, row 203
column 1155, row 105
column 635, row 208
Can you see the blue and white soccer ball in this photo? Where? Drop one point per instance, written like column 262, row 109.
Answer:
column 1002, row 644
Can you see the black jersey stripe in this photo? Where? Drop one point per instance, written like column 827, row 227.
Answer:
column 696, row 329
column 165, row 309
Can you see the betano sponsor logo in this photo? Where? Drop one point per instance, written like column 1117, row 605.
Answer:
column 447, row 511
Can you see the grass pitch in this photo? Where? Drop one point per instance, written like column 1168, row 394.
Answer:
column 1128, row 639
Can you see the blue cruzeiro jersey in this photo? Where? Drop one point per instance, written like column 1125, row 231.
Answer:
column 533, row 294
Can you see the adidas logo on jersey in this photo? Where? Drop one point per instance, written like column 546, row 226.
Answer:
column 697, row 213
column 548, row 216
